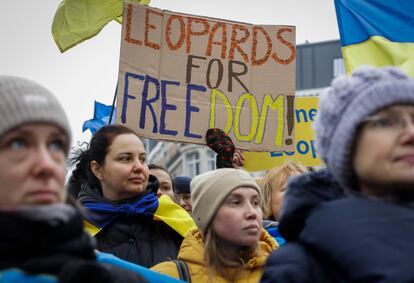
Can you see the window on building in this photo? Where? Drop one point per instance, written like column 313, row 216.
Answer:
column 193, row 164
column 177, row 170
column 211, row 160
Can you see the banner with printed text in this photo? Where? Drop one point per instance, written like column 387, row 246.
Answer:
column 182, row 74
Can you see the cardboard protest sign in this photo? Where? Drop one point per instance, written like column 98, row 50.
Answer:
column 182, row 74
column 304, row 151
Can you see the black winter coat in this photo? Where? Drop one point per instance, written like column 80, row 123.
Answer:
column 136, row 238
column 47, row 243
column 337, row 238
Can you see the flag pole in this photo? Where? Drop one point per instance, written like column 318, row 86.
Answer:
column 113, row 104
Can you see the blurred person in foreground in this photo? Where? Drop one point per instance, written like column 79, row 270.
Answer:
column 361, row 230
column 42, row 238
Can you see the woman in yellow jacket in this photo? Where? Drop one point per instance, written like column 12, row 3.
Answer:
column 230, row 244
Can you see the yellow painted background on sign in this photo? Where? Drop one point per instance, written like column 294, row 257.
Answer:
column 305, row 152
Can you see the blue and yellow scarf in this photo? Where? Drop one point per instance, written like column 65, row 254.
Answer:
column 160, row 209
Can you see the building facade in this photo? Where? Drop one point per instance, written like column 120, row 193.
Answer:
column 316, row 65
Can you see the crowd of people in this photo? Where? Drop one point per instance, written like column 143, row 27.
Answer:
column 120, row 219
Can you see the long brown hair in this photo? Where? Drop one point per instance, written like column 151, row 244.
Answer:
column 220, row 258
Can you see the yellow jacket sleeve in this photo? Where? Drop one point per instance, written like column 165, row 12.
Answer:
column 168, row 268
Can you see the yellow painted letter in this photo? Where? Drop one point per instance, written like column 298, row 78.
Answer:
column 227, row 106
column 254, row 117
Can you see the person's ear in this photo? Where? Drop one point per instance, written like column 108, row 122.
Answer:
column 96, row 170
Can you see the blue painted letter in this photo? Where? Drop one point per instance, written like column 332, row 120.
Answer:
column 189, row 109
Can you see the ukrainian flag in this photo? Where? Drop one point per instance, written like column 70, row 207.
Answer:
column 377, row 32
column 162, row 209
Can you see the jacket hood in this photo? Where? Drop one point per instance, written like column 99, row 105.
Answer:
column 303, row 194
column 192, row 249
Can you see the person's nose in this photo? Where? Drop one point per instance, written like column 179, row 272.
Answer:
column 251, row 212
column 44, row 164
column 138, row 165
column 159, row 193
column 408, row 134
column 181, row 202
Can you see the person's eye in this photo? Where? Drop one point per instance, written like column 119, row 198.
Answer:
column 256, row 203
column 18, row 144
column 165, row 188
column 125, row 158
column 57, row 145
column 235, row 202
column 384, row 122
column 143, row 160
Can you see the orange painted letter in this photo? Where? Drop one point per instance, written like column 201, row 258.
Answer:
column 288, row 44
column 223, row 41
column 168, row 32
column 235, row 42
column 261, row 61
column 149, row 26
column 128, row 28
column 190, row 31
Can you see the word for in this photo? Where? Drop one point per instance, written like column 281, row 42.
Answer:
column 233, row 71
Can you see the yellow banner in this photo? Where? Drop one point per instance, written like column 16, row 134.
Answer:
column 305, row 152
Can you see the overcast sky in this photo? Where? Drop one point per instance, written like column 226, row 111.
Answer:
column 88, row 72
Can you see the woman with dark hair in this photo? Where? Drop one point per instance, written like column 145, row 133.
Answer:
column 165, row 180
column 124, row 215
column 230, row 244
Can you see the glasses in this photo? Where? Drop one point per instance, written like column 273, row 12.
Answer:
column 389, row 122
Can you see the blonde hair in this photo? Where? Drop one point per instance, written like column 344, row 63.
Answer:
column 274, row 179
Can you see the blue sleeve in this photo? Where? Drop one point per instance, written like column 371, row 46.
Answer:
column 274, row 232
column 149, row 275
column 14, row 275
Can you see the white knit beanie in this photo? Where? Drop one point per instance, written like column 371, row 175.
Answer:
column 23, row 101
column 209, row 190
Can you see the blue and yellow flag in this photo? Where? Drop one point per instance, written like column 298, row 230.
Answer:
column 160, row 209
column 377, row 33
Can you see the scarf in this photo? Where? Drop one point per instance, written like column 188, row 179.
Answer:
column 103, row 212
